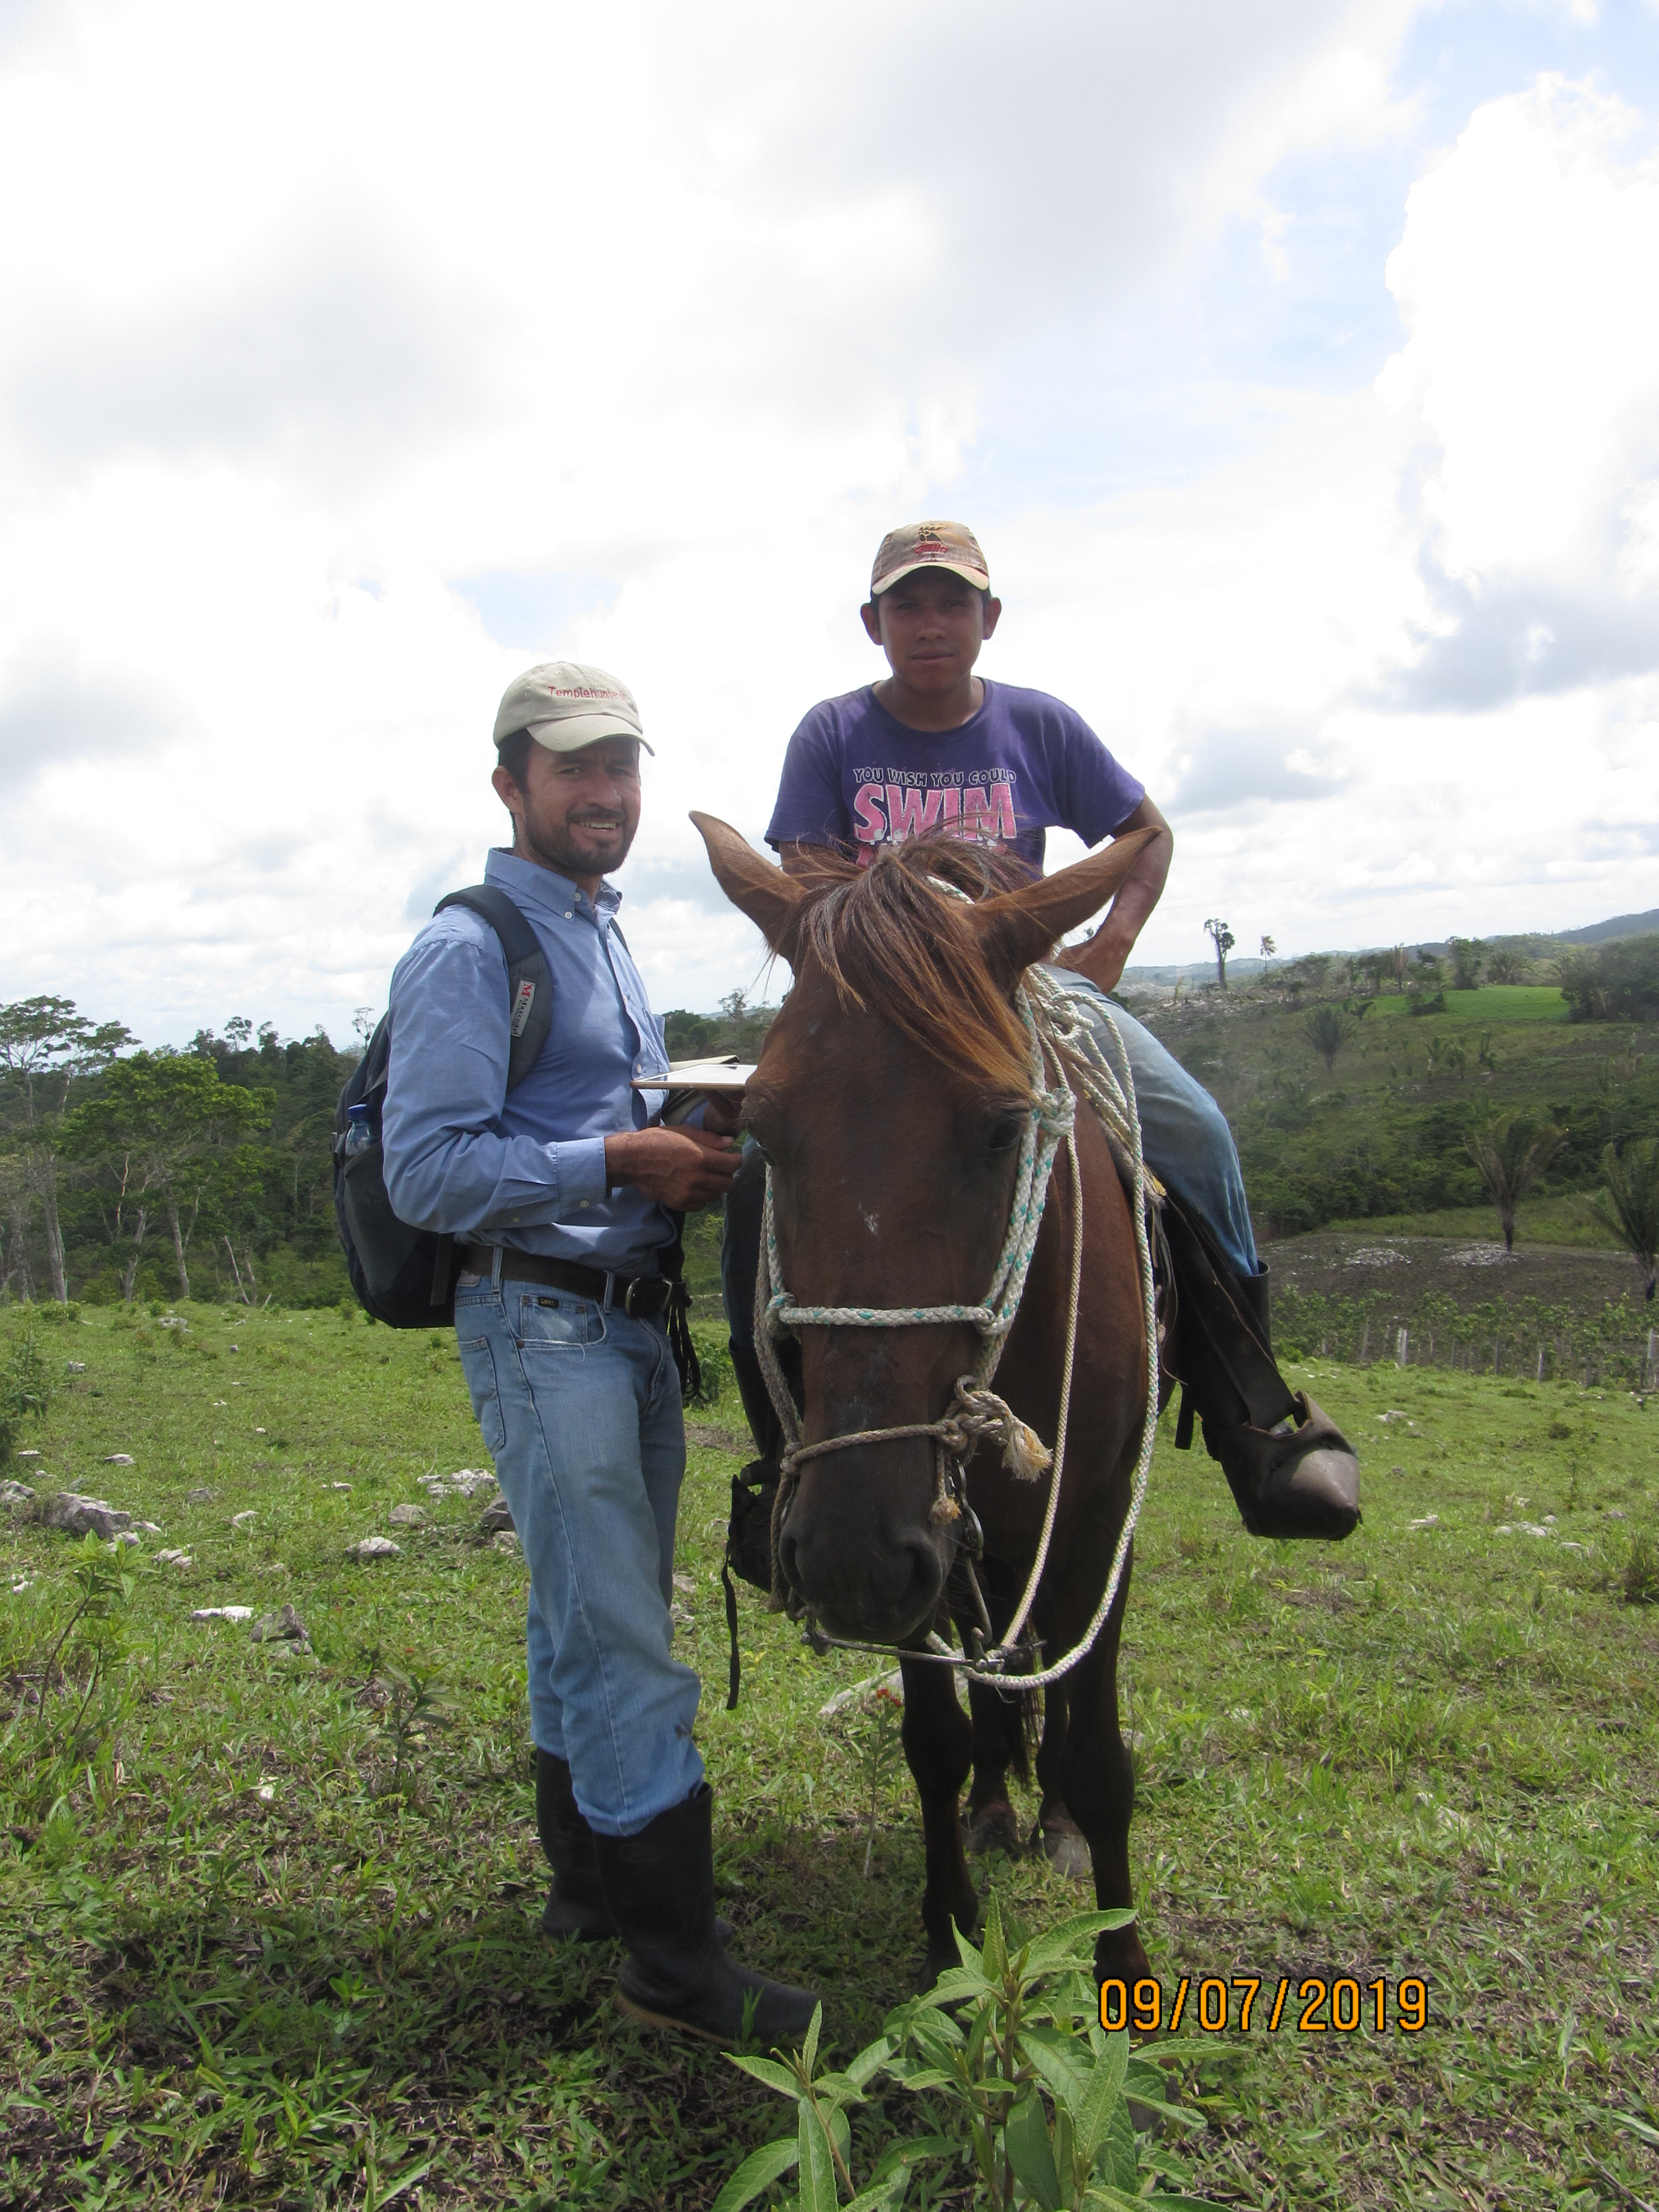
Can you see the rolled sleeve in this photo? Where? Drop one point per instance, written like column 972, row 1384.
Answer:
column 448, row 1165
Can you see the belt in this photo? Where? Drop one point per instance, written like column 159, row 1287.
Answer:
column 640, row 1296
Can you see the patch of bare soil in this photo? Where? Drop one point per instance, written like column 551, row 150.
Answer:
column 1470, row 1270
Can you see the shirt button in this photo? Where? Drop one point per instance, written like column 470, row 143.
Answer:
column 584, row 1202
column 569, row 915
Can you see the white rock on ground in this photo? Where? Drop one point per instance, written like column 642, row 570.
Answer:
column 174, row 1559
column 201, row 1496
column 375, row 1547
column 223, row 1612
column 118, row 1459
column 407, row 1516
column 83, row 1515
column 75, row 1366
column 15, row 1493
column 241, row 1519
column 894, row 1682
column 496, row 1516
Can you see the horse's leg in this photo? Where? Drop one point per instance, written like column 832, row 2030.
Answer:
column 938, row 1738
column 999, row 1744
column 1064, row 1844
column 1097, row 1778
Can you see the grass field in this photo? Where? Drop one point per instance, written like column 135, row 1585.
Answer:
column 268, row 1921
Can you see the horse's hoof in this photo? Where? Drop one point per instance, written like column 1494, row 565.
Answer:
column 1067, row 1853
column 993, row 1828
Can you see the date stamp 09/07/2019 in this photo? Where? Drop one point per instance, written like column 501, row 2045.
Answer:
column 1315, row 2006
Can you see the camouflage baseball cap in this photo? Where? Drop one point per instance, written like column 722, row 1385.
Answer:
column 950, row 545
column 566, row 705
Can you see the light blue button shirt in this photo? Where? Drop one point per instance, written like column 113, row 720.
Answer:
column 523, row 1168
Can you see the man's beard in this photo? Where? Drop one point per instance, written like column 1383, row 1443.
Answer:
column 551, row 843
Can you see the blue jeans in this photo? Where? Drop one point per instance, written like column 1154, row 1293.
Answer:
column 1183, row 1133
column 579, row 1409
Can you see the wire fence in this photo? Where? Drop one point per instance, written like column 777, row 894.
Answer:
column 1616, row 1344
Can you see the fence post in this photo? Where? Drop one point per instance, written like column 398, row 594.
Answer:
column 1399, row 1344
column 1366, row 1340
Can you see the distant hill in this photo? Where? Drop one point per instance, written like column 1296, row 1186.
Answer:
column 1193, row 974
column 1622, row 925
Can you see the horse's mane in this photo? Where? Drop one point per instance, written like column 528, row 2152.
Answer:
column 892, row 937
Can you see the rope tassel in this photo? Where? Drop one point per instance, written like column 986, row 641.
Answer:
column 984, row 1415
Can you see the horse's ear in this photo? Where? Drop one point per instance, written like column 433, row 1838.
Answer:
column 1022, row 925
column 769, row 898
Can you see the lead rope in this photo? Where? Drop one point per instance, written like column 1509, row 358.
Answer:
column 975, row 1411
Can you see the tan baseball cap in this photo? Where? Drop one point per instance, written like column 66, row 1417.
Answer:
column 565, row 705
column 950, row 545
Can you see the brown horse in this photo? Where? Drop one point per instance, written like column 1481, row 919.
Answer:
column 891, row 1101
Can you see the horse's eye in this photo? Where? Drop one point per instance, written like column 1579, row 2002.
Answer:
column 1007, row 1133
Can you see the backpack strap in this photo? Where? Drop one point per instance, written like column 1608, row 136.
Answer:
column 529, row 984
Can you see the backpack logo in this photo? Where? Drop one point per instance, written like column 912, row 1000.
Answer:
column 522, row 1005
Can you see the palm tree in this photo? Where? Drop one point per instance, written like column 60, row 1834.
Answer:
column 1630, row 1204
column 1328, row 1030
column 1509, row 1154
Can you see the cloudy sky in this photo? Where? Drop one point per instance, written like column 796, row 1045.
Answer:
column 1297, row 361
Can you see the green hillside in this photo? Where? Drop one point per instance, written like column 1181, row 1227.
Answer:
column 1381, row 1136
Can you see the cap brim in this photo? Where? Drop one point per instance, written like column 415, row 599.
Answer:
column 573, row 732
column 977, row 577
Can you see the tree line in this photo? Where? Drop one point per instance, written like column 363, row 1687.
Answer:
column 200, row 1172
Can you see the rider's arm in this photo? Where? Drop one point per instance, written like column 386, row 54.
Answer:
column 1102, row 959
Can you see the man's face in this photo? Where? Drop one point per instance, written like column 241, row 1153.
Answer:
column 578, row 812
column 931, row 626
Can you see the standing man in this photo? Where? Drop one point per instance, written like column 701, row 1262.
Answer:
column 933, row 747
column 560, row 1197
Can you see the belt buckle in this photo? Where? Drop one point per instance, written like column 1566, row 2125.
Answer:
column 630, row 1295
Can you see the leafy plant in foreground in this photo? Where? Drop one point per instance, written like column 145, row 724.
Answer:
column 1026, row 2086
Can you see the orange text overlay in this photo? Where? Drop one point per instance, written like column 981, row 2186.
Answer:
column 1315, row 2005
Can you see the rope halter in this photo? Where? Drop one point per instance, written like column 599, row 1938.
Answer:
column 976, row 1413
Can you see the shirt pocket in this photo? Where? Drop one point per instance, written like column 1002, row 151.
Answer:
column 548, row 1323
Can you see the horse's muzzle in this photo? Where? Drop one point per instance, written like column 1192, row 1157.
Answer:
column 874, row 1592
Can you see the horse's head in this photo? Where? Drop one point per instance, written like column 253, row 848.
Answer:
column 891, row 1101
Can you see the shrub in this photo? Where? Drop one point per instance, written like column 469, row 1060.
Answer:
column 1614, row 982
column 24, row 1391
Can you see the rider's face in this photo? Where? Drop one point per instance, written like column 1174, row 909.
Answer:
column 931, row 625
column 578, row 812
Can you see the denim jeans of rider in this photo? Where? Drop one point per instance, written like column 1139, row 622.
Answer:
column 579, row 1409
column 1184, row 1134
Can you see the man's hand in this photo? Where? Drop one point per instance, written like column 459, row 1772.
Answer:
column 1101, row 959
column 681, row 1169
column 723, row 1115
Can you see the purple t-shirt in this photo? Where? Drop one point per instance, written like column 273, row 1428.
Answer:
column 1023, row 764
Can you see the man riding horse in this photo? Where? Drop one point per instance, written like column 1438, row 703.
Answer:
column 933, row 747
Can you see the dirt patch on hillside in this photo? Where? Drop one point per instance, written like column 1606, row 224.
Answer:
column 1471, row 1271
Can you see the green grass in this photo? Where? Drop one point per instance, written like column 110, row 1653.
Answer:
column 1551, row 1220
column 1488, row 1002
column 266, row 1940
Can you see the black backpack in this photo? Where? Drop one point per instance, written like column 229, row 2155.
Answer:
column 404, row 1276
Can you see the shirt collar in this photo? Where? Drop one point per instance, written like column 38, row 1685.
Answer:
column 535, row 886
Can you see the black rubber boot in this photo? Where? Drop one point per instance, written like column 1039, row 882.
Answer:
column 659, row 1884
column 575, row 1904
column 1291, row 1471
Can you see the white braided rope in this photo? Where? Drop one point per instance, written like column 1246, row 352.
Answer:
column 1048, row 1010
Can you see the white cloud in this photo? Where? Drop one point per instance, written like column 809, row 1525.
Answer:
column 353, row 358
